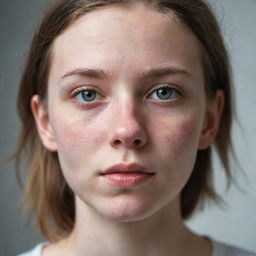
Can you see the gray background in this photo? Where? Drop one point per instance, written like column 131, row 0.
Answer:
column 235, row 224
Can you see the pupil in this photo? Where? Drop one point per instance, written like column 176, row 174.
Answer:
column 164, row 93
column 88, row 95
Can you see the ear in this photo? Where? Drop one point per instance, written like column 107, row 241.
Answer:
column 44, row 128
column 212, row 120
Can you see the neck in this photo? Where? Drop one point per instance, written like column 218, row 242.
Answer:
column 160, row 234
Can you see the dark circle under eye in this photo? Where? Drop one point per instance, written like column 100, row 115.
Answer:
column 164, row 93
column 88, row 95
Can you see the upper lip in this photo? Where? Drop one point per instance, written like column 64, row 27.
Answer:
column 126, row 168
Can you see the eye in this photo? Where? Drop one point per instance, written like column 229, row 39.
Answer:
column 87, row 96
column 165, row 93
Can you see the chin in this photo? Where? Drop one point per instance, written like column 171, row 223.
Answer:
column 127, row 209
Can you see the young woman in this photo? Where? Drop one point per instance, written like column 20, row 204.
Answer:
column 121, row 102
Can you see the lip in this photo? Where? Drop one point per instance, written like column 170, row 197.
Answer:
column 123, row 175
column 131, row 179
column 126, row 168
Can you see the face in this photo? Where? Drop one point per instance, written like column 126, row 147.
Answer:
column 126, row 87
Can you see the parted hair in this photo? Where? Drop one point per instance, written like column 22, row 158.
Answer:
column 45, row 192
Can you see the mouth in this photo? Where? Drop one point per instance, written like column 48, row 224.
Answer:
column 122, row 175
column 126, row 168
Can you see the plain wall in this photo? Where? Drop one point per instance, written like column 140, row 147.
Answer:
column 235, row 224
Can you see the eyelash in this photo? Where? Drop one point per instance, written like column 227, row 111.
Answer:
column 174, row 89
column 78, row 91
column 84, row 104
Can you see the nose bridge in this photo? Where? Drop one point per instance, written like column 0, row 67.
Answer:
column 128, row 126
column 127, row 112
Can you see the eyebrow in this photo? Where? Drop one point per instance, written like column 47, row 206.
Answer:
column 151, row 74
column 160, row 72
column 87, row 72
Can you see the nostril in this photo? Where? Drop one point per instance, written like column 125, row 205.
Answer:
column 137, row 142
column 117, row 142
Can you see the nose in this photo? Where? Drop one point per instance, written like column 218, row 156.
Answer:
column 128, row 130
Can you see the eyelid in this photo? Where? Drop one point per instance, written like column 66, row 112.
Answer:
column 77, row 90
column 166, row 85
column 83, row 104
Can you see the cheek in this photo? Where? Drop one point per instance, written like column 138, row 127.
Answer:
column 76, row 140
column 177, row 138
column 176, row 145
column 187, row 132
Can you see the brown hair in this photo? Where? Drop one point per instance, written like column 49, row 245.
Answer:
column 46, row 190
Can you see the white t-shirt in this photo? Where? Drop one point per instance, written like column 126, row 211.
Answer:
column 219, row 249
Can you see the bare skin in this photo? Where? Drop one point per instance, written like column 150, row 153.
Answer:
column 163, row 236
column 127, row 122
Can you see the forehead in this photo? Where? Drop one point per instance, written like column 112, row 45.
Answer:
column 127, row 18
column 132, row 38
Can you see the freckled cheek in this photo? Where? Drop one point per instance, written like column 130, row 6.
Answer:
column 179, row 136
column 78, row 142
column 176, row 146
column 77, row 138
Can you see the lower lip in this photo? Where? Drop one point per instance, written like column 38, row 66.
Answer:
column 127, row 179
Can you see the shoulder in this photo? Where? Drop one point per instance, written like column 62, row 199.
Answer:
column 36, row 251
column 222, row 249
